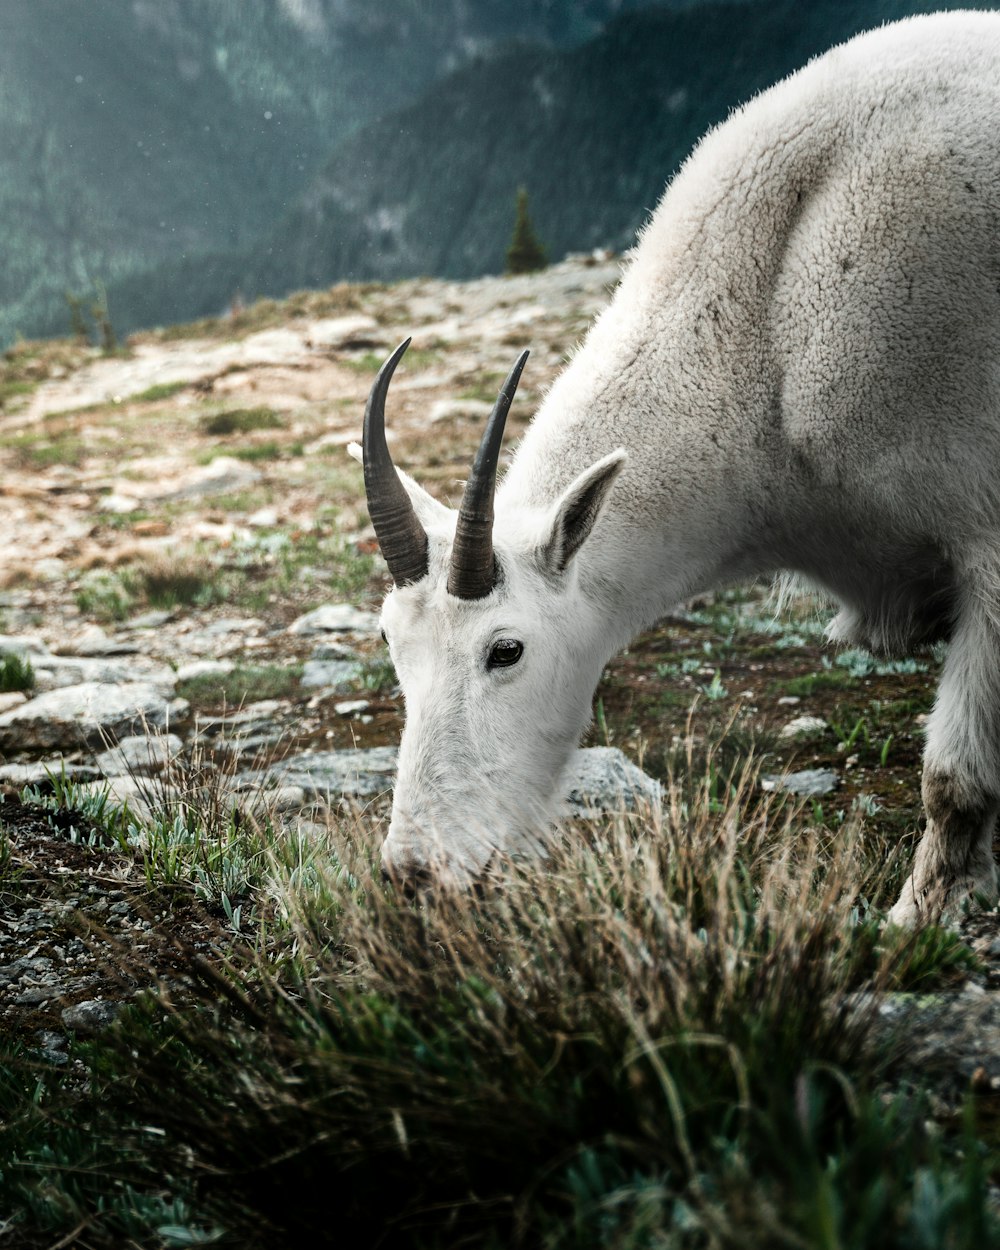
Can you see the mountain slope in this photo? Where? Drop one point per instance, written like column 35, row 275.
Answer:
column 138, row 132
column 593, row 132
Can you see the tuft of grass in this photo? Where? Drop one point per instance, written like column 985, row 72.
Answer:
column 162, row 581
column 168, row 582
column 241, row 421
column 261, row 451
column 663, row 1036
column 16, row 672
column 809, row 683
column 159, row 391
column 40, row 449
column 243, row 684
column 105, row 596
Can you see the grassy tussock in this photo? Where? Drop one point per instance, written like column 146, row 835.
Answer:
column 660, row 1038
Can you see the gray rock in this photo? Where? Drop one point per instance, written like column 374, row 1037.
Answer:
column 151, row 620
column 252, row 718
column 954, row 1034
column 330, row 774
column 39, row 772
column 337, row 333
column 91, row 1016
column 811, row 781
column 93, row 641
column 36, row 994
column 54, row 672
column 140, row 753
column 334, row 618
column 599, row 779
column 22, row 645
column 338, row 674
column 223, row 475
column 333, row 651
column 88, row 714
column 205, row 668
column 460, row 410
column 246, row 746
column 604, row 779
column 232, row 625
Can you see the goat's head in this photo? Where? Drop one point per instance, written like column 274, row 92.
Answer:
column 496, row 648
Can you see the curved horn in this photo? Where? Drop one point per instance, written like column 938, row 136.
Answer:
column 399, row 532
column 472, row 573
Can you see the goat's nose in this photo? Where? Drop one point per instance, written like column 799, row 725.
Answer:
column 411, row 878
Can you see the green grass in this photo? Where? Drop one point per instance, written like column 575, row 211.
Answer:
column 809, row 683
column 246, row 683
column 160, row 391
column 315, row 560
column 15, row 388
column 241, row 421
column 188, row 579
column 40, row 449
column 16, row 673
column 654, row 1041
column 378, row 675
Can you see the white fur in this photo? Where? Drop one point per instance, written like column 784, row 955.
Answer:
column 802, row 363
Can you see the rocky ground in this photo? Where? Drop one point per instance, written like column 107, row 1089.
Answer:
column 188, row 582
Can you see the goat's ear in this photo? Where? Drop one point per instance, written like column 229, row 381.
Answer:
column 429, row 511
column 573, row 517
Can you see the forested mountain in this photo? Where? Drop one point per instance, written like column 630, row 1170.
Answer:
column 141, row 131
column 315, row 140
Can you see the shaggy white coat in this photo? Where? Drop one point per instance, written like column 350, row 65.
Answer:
column 799, row 371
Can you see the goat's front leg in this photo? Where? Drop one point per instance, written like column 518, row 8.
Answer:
column 954, row 869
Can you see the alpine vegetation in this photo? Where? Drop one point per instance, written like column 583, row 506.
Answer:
column 800, row 371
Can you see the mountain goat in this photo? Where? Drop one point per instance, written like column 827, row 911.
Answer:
column 800, row 370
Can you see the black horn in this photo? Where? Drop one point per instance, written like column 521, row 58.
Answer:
column 399, row 532
column 472, row 573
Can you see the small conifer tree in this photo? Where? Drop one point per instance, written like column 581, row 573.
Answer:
column 525, row 253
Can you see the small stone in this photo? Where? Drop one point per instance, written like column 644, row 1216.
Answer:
column 810, row 781
column 91, row 1016
column 789, row 700
column 263, row 518
column 222, row 475
column 151, row 620
column 804, row 727
column 35, row 994
column 118, row 505
column 460, row 409
column 331, row 673
column 350, row 706
column 330, row 774
column 339, row 333
column 604, row 779
column 333, row 618
column 55, row 672
column 205, row 668
column 140, row 753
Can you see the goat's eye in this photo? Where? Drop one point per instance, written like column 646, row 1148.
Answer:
column 504, row 653
column 384, row 639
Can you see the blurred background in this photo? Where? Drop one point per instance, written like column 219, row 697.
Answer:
column 167, row 159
